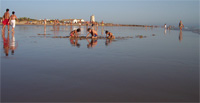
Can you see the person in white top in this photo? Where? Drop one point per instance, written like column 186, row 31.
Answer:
column 165, row 26
column 12, row 20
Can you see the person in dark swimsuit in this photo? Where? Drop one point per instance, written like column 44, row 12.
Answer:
column 93, row 33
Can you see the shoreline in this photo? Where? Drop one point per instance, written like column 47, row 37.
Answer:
column 197, row 31
column 106, row 24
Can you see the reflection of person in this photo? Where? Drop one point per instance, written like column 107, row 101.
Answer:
column 80, row 24
column 181, row 26
column 45, row 29
column 180, row 36
column 13, row 47
column 5, row 20
column 55, row 21
column 58, row 27
column 74, row 33
column 91, row 44
column 74, row 42
column 12, row 20
column 110, row 35
column 6, row 43
column 92, row 32
column 165, row 31
column 102, row 30
column 108, row 41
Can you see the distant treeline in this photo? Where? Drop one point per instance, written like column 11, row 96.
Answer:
column 26, row 19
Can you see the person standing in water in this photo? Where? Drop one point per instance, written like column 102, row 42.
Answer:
column 12, row 20
column 165, row 26
column 5, row 20
column 45, row 23
column 181, row 26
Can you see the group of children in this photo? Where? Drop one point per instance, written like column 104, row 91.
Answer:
column 93, row 33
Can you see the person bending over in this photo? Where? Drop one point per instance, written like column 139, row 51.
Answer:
column 110, row 35
column 74, row 33
column 93, row 33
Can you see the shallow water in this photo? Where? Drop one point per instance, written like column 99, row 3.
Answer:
column 153, row 66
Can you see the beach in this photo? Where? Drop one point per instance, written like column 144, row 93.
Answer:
column 150, row 65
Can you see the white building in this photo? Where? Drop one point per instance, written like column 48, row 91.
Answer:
column 74, row 21
column 92, row 18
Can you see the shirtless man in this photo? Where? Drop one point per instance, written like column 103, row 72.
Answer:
column 5, row 20
column 93, row 33
column 45, row 21
column 12, row 20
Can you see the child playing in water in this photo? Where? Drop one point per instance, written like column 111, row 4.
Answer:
column 72, row 33
column 110, row 35
column 93, row 33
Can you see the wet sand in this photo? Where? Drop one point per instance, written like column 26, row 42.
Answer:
column 153, row 66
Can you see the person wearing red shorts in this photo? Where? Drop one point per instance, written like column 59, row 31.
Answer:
column 5, row 19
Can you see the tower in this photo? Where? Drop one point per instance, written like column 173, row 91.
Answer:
column 92, row 18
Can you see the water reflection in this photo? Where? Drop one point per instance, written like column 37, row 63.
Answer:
column 102, row 30
column 9, row 45
column 165, row 32
column 108, row 42
column 56, row 29
column 45, row 29
column 70, row 27
column 13, row 45
column 74, row 42
column 92, row 43
column 180, row 36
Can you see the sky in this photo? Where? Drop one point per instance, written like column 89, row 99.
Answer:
column 140, row 12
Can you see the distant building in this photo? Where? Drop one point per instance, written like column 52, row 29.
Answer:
column 92, row 18
column 73, row 20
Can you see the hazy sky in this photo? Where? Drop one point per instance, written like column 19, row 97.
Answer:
column 149, row 12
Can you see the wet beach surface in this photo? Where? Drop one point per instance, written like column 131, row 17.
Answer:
column 150, row 65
